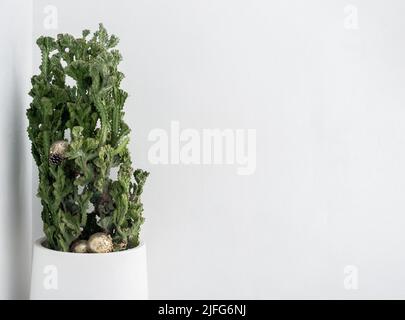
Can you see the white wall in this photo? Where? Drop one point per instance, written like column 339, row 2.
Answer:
column 15, row 182
column 328, row 106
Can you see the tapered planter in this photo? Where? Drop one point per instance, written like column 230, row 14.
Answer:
column 63, row 275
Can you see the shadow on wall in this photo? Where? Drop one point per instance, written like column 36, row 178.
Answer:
column 19, row 214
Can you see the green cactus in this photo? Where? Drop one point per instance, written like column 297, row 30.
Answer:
column 78, row 195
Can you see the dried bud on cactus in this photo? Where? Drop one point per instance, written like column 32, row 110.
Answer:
column 57, row 152
column 100, row 243
column 79, row 246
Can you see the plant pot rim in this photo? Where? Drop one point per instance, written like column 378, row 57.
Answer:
column 38, row 245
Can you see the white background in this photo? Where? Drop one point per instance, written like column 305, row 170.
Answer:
column 328, row 106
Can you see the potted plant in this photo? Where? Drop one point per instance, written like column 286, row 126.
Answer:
column 91, row 219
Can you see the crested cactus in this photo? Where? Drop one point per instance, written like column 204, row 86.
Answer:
column 78, row 194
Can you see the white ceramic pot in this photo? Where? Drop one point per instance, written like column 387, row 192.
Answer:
column 66, row 276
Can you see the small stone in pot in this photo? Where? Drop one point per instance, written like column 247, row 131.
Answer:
column 79, row 246
column 100, row 243
column 120, row 246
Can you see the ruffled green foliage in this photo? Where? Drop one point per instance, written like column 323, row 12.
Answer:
column 79, row 197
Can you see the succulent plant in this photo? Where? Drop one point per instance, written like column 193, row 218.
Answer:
column 78, row 136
